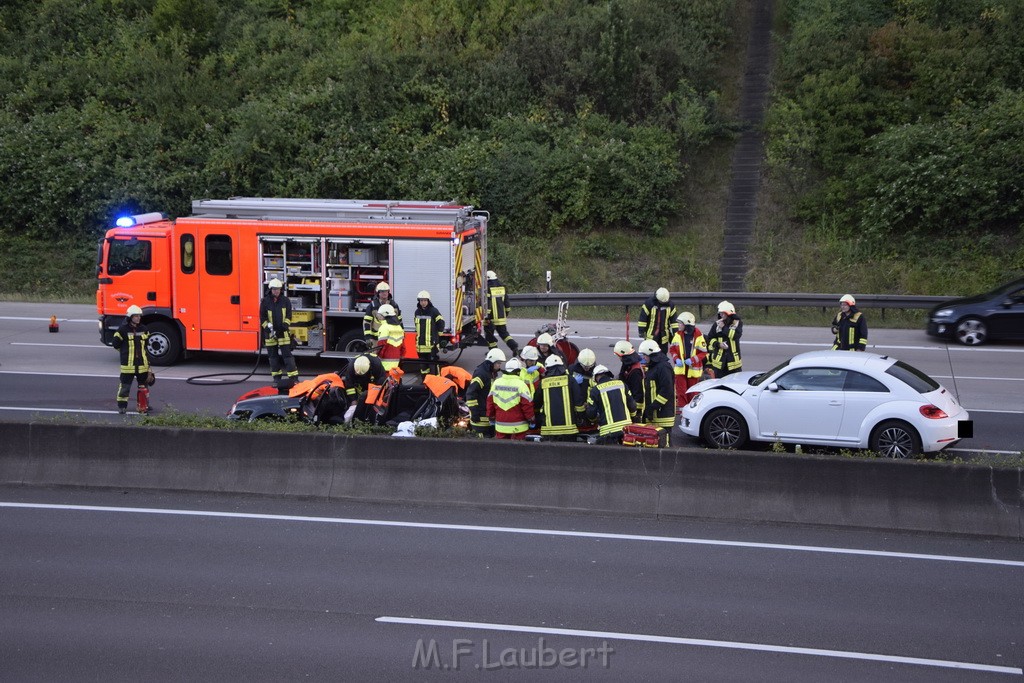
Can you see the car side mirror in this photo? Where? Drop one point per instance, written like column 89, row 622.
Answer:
column 1010, row 301
column 773, row 387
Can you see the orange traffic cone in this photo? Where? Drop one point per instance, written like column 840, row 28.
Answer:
column 54, row 327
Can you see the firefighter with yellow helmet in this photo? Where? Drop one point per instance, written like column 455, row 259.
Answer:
column 130, row 340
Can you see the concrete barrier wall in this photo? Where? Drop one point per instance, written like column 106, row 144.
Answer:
column 919, row 496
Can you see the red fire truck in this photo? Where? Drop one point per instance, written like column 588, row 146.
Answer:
column 199, row 279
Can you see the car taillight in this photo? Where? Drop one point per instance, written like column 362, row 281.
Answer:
column 933, row 412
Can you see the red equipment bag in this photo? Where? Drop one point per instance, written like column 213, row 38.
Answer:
column 647, row 436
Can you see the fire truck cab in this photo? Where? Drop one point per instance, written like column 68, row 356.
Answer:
column 199, row 279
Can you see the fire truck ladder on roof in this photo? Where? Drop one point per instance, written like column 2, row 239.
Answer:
column 337, row 209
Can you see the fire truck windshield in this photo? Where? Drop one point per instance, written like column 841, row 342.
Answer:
column 126, row 255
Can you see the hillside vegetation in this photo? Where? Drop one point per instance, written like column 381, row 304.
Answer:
column 596, row 133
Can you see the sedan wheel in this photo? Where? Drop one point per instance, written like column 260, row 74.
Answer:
column 724, row 428
column 895, row 439
column 971, row 332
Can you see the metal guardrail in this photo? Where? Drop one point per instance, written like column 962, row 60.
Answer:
column 739, row 299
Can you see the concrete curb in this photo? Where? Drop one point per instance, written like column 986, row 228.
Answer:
column 911, row 496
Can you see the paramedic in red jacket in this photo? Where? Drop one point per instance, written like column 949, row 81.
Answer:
column 510, row 404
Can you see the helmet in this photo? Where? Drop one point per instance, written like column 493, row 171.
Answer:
column 423, row 295
column 587, row 358
column 623, row 348
column 662, row 295
column 383, row 287
column 361, row 365
column 275, row 284
column 553, row 360
column 530, row 353
column 495, row 356
column 601, row 370
column 545, row 338
column 649, row 346
column 386, row 311
column 687, row 318
column 133, row 310
column 491, row 275
column 726, row 307
column 848, row 299
column 513, row 365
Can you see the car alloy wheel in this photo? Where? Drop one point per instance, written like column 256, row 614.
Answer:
column 725, row 428
column 895, row 439
column 971, row 332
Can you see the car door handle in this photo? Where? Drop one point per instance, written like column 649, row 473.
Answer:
column 835, row 403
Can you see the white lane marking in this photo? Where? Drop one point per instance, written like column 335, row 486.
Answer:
column 701, row 642
column 59, row 410
column 254, row 378
column 1008, row 412
column 987, row 379
column 47, row 320
column 97, row 345
column 980, row 452
column 513, row 530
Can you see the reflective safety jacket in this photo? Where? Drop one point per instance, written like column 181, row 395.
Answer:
column 497, row 302
column 510, row 405
column 357, row 384
column 660, row 393
column 657, row 321
column 429, row 326
column 275, row 319
column 131, row 342
column 632, row 375
column 558, row 403
column 610, row 405
column 851, row 331
column 390, row 337
column 531, row 378
column 371, row 323
column 476, row 394
column 724, row 344
column 690, row 346
column 583, row 377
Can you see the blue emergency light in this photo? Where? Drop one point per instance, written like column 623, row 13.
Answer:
column 139, row 219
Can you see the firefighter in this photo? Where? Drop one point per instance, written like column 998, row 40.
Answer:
column 546, row 347
column 276, row 319
column 130, row 340
column 429, row 326
column 659, row 388
column 359, row 375
column 510, row 404
column 658, row 318
column 371, row 317
column 724, row 341
column 558, row 403
column 478, row 389
column 390, row 337
column 687, row 353
column 631, row 374
column 582, row 372
column 610, row 405
column 497, row 314
column 849, row 326
column 532, row 370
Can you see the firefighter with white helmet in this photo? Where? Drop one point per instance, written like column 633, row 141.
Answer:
column 659, row 387
column 371, row 316
column 532, row 367
column 657, row 319
column 545, row 344
column 558, row 402
column 687, row 353
column 479, row 388
column 429, row 326
column 510, row 404
column 275, row 322
column 723, row 341
column 130, row 341
column 497, row 314
column 582, row 372
column 631, row 374
column 609, row 405
column 390, row 337
column 849, row 326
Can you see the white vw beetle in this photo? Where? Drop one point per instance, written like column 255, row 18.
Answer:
column 829, row 398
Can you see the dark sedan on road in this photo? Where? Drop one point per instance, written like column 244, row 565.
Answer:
column 998, row 314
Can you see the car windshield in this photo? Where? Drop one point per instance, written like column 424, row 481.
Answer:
column 1008, row 287
column 912, row 377
column 757, row 380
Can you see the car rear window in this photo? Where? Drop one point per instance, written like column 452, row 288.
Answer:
column 912, row 377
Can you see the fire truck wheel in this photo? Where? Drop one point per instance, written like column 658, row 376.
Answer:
column 352, row 342
column 164, row 345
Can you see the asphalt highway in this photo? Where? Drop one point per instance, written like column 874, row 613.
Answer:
column 46, row 375
column 148, row 586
